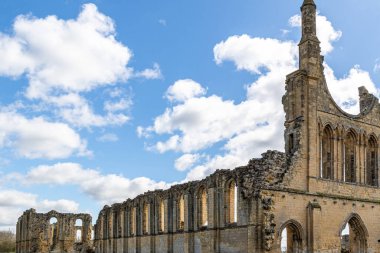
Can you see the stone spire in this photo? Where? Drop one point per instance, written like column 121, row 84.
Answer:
column 309, row 20
column 308, row 2
column 309, row 46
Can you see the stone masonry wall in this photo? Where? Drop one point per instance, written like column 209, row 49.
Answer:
column 35, row 233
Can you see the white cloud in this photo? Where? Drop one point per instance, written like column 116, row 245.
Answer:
column 295, row 21
column 61, row 205
column 186, row 161
column 38, row 138
column 65, row 55
column 108, row 137
column 77, row 111
column 13, row 203
column 325, row 32
column 65, row 59
column 154, row 73
column 16, row 198
column 90, row 181
column 59, row 173
column 345, row 90
column 120, row 105
column 15, row 61
column 256, row 54
column 183, row 90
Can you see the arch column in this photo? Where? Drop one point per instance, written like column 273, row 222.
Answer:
column 362, row 161
column 338, row 158
column 357, row 161
column 335, row 162
column 314, row 217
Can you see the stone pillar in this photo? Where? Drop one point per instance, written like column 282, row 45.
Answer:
column 196, row 211
column 211, row 206
column 211, row 212
column 358, row 161
column 175, row 214
column 363, row 162
column 169, row 210
column 314, row 219
column 110, row 231
column 335, row 159
column 339, row 168
column 189, row 222
column 138, row 227
column 125, row 214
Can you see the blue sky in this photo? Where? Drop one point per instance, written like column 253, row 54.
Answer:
column 103, row 100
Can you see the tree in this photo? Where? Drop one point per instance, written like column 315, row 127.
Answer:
column 7, row 242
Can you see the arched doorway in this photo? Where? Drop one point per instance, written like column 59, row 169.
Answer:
column 353, row 235
column 291, row 237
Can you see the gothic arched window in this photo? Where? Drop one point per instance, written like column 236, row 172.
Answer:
column 162, row 216
column 146, row 219
column 181, row 212
column 350, row 158
column 78, row 230
column 371, row 162
column 203, row 214
column 133, row 221
column 327, row 157
column 231, row 201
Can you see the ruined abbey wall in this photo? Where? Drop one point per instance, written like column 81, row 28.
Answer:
column 53, row 232
column 176, row 220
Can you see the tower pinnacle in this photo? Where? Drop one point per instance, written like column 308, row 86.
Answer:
column 309, row 46
column 309, row 20
column 308, row 2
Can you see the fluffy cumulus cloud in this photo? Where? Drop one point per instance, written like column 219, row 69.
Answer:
column 186, row 161
column 105, row 188
column 38, row 138
column 345, row 90
column 65, row 59
column 153, row 73
column 256, row 54
column 77, row 111
column 69, row 55
column 183, row 90
column 247, row 128
column 13, row 203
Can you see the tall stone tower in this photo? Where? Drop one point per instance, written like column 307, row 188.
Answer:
column 300, row 100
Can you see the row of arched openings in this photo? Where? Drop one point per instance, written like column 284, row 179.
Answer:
column 231, row 200
column 349, row 157
column 54, row 236
column 353, row 236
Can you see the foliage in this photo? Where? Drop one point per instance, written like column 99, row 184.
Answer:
column 7, row 242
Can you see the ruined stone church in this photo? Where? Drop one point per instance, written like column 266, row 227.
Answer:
column 321, row 195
